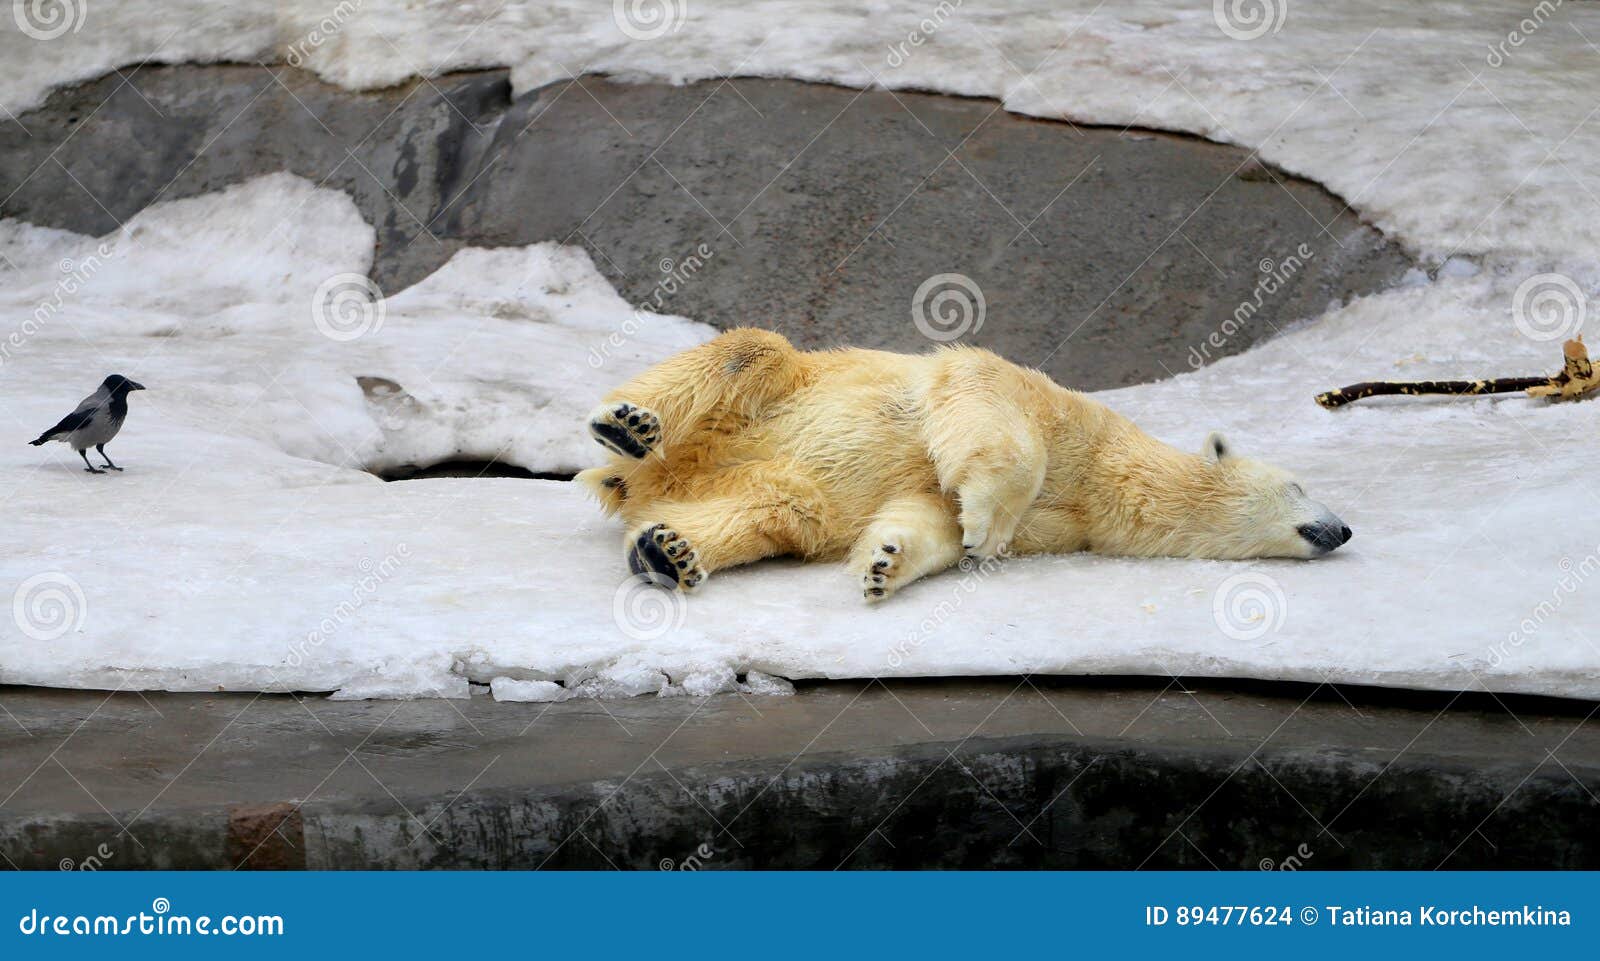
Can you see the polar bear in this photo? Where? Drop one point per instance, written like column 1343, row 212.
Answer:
column 744, row 448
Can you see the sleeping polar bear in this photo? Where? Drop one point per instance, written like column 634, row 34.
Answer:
column 744, row 448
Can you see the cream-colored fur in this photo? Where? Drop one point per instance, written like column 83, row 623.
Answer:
column 901, row 463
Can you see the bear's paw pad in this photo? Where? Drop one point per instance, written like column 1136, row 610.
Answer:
column 625, row 429
column 659, row 552
column 878, row 580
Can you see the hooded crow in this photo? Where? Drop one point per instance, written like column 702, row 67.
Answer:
column 95, row 421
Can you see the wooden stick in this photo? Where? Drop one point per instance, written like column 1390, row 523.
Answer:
column 1500, row 385
column 1577, row 377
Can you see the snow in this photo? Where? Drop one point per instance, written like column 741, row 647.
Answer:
column 1452, row 126
column 246, row 547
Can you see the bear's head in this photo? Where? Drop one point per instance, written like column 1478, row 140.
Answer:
column 1261, row 511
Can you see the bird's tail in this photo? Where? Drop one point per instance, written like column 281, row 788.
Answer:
column 42, row 438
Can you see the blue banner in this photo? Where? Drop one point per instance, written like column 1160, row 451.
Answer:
column 809, row 915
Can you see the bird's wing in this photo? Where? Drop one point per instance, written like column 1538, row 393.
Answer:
column 73, row 421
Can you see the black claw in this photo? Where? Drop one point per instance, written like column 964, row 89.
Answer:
column 890, row 549
column 880, row 565
column 875, row 591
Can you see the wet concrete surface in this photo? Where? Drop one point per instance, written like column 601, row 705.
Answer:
column 1002, row 772
column 1104, row 256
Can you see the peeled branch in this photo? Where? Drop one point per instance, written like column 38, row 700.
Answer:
column 1575, row 379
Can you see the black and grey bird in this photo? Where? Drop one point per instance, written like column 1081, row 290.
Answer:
column 95, row 422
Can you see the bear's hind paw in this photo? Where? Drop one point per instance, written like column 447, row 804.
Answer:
column 662, row 556
column 625, row 429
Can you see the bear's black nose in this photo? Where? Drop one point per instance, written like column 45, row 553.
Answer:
column 1323, row 535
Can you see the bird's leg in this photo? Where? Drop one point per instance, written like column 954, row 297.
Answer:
column 88, row 466
column 102, row 449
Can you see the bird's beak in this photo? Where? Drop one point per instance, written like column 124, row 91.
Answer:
column 135, row 386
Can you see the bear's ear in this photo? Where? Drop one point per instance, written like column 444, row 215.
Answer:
column 1216, row 448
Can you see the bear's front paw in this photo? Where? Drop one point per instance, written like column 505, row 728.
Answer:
column 987, row 534
column 661, row 555
column 625, row 429
column 878, row 581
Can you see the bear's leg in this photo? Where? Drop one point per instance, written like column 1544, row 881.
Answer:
column 750, row 512
column 718, row 386
column 985, row 447
column 909, row 538
column 608, row 485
